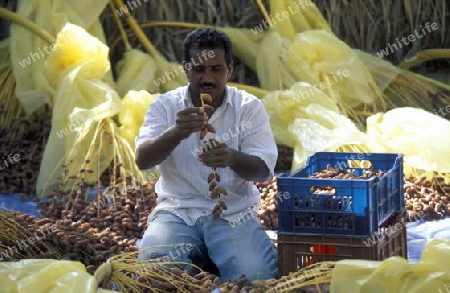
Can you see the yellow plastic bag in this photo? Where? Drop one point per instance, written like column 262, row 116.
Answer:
column 169, row 75
column 420, row 135
column 46, row 276
column 29, row 52
column 82, row 104
column 284, row 27
column 136, row 71
column 4, row 51
column 297, row 18
column 321, row 59
column 77, row 52
column 284, row 106
column 308, row 120
column 245, row 43
column 272, row 70
column 395, row 274
column 325, row 134
column 131, row 117
column 374, row 63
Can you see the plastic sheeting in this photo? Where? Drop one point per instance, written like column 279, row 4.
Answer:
column 14, row 203
column 420, row 233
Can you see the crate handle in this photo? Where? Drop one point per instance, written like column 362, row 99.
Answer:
column 322, row 249
column 314, row 190
column 360, row 164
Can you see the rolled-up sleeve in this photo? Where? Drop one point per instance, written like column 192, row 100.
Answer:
column 257, row 137
column 155, row 122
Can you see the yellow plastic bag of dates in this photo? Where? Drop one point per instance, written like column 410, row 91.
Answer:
column 395, row 274
column 29, row 52
column 83, row 104
column 46, row 276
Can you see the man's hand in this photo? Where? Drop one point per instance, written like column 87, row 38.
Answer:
column 155, row 150
column 219, row 155
column 215, row 154
column 192, row 120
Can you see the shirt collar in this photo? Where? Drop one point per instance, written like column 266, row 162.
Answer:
column 186, row 97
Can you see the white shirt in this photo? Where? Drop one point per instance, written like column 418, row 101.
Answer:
column 241, row 122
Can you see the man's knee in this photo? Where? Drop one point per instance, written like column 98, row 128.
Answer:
column 166, row 252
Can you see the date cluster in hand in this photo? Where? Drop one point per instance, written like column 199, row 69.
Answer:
column 206, row 99
column 216, row 192
column 213, row 177
column 213, row 180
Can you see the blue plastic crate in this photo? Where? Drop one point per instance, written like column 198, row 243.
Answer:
column 355, row 207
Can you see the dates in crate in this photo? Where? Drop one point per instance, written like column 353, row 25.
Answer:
column 342, row 173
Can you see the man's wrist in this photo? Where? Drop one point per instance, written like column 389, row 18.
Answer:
column 232, row 157
column 177, row 133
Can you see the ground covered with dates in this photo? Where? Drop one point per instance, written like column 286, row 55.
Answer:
column 91, row 232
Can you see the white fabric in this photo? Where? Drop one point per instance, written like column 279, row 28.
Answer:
column 241, row 122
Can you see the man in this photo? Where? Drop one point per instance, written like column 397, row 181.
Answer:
column 182, row 227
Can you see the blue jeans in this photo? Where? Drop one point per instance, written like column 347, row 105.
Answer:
column 242, row 249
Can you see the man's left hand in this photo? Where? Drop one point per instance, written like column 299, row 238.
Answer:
column 215, row 154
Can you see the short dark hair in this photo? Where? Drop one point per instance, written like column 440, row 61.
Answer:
column 207, row 38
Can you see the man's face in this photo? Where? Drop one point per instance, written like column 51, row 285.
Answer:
column 208, row 72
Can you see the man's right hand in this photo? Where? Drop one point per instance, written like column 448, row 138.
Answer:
column 192, row 119
column 155, row 150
